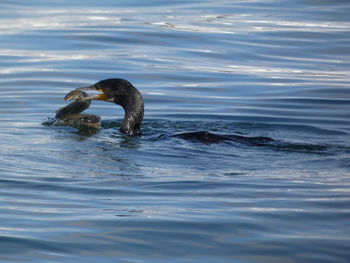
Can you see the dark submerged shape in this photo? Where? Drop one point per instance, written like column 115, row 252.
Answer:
column 121, row 92
column 208, row 138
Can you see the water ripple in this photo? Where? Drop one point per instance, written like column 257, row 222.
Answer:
column 247, row 68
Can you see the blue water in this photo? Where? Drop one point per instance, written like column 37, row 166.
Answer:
column 253, row 68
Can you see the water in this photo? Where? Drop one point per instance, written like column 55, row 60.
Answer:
column 253, row 68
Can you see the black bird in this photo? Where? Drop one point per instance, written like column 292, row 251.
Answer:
column 123, row 93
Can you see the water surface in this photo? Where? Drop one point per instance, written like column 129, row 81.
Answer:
column 253, row 68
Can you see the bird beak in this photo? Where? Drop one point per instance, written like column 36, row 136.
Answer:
column 92, row 87
column 100, row 96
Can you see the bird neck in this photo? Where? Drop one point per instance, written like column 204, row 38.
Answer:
column 134, row 111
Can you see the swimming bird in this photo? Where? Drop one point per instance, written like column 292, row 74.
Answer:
column 123, row 93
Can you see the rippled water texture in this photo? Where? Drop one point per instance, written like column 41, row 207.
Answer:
column 278, row 69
